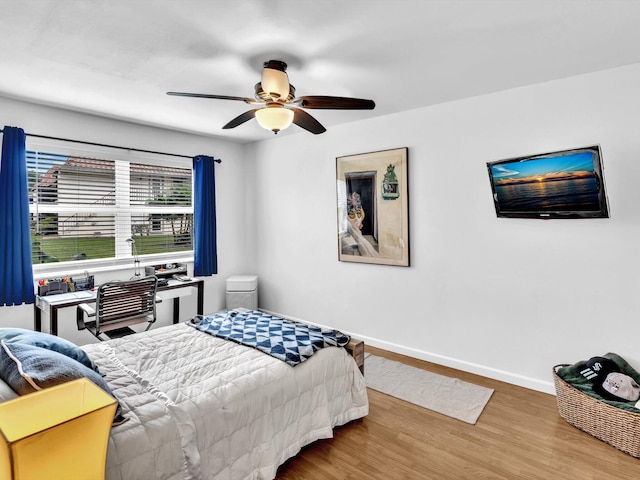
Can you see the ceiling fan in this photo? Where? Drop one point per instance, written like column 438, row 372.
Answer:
column 279, row 106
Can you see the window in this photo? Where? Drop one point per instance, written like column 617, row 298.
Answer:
column 85, row 209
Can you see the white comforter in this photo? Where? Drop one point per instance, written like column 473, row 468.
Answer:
column 204, row 408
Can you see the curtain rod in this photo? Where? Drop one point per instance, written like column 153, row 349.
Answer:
column 217, row 160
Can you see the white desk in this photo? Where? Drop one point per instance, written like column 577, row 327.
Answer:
column 52, row 303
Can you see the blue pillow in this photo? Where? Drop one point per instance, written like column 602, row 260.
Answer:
column 6, row 392
column 27, row 369
column 50, row 342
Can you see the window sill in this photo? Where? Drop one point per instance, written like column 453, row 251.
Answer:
column 64, row 269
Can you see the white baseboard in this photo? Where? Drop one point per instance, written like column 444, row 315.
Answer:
column 489, row 372
column 503, row 376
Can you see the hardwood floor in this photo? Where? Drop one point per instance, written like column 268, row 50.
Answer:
column 519, row 435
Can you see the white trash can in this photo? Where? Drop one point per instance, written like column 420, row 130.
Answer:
column 242, row 292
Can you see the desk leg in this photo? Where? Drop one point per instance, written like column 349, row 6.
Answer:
column 200, row 306
column 176, row 310
column 53, row 320
column 37, row 318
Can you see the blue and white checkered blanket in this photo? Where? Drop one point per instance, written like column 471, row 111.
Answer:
column 287, row 340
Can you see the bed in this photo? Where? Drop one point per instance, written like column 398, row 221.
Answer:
column 201, row 407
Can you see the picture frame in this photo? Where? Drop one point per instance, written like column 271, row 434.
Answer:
column 373, row 207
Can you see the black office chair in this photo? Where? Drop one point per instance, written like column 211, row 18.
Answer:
column 119, row 305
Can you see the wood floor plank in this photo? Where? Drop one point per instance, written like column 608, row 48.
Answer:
column 519, row 435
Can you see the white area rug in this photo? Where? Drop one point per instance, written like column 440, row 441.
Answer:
column 449, row 396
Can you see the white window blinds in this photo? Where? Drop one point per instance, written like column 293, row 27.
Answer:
column 86, row 208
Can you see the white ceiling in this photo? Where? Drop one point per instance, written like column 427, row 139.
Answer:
column 119, row 58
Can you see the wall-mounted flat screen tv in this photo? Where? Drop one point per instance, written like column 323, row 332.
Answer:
column 564, row 184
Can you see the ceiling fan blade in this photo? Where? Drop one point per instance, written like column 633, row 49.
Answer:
column 336, row 103
column 306, row 121
column 217, row 97
column 240, row 119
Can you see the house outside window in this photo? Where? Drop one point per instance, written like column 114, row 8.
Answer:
column 84, row 209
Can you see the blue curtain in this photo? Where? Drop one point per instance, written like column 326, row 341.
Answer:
column 16, row 274
column 204, row 216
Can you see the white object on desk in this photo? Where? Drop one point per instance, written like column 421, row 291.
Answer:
column 42, row 302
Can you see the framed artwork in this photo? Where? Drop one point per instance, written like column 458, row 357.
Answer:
column 373, row 208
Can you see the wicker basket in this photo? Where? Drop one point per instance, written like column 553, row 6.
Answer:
column 615, row 426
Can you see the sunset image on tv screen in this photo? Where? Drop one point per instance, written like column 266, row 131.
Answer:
column 556, row 182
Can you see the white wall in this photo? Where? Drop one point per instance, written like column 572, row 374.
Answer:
column 501, row 297
column 506, row 298
column 234, row 256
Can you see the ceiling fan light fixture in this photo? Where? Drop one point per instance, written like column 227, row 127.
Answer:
column 275, row 81
column 279, row 105
column 274, row 117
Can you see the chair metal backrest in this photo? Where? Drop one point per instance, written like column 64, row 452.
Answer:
column 123, row 303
